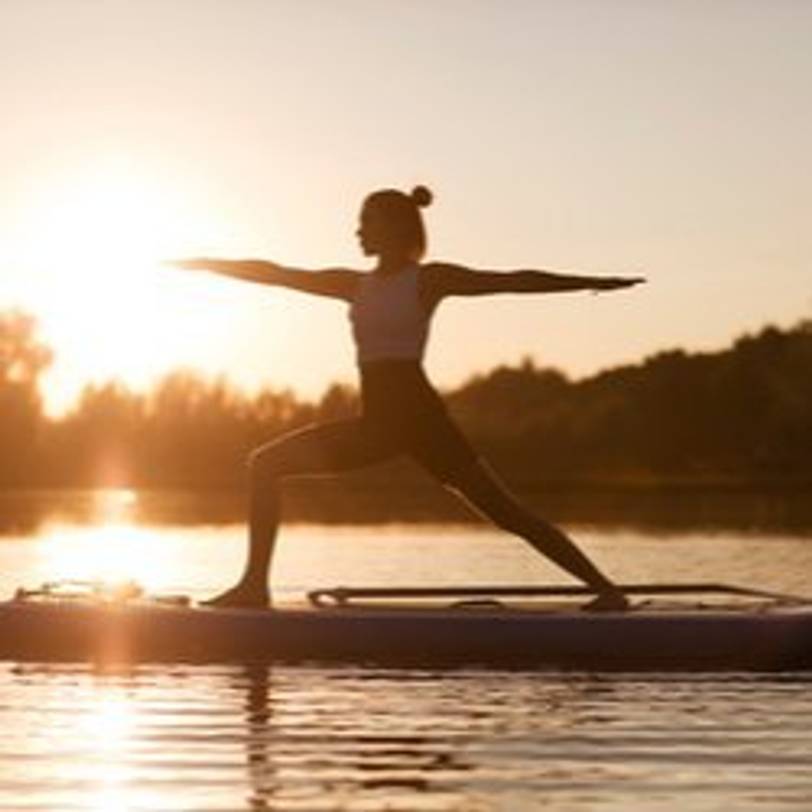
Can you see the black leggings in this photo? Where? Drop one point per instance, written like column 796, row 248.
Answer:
column 402, row 415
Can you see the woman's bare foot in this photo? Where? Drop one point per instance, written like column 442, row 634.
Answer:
column 241, row 596
column 612, row 600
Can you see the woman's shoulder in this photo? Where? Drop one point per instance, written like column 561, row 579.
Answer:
column 440, row 266
column 439, row 277
column 440, row 269
column 435, row 279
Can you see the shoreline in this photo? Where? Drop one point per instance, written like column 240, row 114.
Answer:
column 677, row 506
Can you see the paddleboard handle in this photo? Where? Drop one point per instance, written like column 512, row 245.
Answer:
column 341, row 597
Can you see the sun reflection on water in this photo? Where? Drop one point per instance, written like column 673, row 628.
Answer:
column 109, row 728
column 112, row 548
column 109, row 553
column 114, row 504
column 109, row 723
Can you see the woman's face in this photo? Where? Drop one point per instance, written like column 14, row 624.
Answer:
column 372, row 231
column 380, row 236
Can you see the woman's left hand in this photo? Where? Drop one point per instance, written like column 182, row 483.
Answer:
column 616, row 282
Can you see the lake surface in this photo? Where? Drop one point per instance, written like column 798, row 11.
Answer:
column 347, row 738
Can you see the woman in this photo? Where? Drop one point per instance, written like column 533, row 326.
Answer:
column 390, row 309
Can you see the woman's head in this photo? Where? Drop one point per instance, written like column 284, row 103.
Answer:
column 392, row 225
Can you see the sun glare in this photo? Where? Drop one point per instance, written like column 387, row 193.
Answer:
column 110, row 553
column 92, row 246
column 106, row 228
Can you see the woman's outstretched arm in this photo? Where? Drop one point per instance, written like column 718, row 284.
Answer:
column 338, row 283
column 456, row 280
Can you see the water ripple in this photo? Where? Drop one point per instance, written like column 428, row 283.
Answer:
column 355, row 739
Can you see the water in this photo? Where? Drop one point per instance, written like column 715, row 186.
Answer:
column 347, row 738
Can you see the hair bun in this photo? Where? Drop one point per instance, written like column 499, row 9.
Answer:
column 421, row 196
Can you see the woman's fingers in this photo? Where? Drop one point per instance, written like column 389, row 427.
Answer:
column 617, row 282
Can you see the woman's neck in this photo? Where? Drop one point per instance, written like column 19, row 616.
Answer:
column 387, row 265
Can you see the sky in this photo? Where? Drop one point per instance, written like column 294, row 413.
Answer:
column 662, row 138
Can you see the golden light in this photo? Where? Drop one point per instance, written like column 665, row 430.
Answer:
column 91, row 242
column 109, row 730
column 100, row 231
column 114, row 505
column 111, row 553
column 94, row 218
column 110, row 548
column 111, row 722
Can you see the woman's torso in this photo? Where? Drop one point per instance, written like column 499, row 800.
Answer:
column 402, row 411
column 390, row 316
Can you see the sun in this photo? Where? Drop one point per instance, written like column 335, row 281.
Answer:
column 93, row 245
column 101, row 226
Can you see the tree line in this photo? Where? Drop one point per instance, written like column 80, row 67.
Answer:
column 738, row 416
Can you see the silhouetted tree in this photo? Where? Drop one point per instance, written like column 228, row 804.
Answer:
column 22, row 360
column 100, row 441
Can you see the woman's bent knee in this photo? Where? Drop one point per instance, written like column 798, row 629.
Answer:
column 265, row 462
column 301, row 452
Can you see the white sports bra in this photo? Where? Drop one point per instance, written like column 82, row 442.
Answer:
column 388, row 319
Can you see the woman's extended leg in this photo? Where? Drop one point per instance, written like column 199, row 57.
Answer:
column 313, row 451
column 479, row 486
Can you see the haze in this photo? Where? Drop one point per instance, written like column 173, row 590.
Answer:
column 664, row 139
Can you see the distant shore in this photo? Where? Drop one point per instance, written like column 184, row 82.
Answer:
column 664, row 508
column 685, row 424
